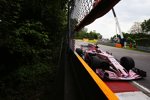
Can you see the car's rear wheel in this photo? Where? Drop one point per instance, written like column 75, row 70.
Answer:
column 127, row 62
column 79, row 51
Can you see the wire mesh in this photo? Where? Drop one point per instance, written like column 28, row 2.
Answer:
column 81, row 9
column 84, row 12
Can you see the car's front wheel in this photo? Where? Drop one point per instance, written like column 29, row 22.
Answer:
column 127, row 62
column 99, row 63
column 95, row 62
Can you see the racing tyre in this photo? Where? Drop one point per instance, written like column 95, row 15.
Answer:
column 95, row 62
column 104, row 65
column 98, row 63
column 79, row 51
column 127, row 63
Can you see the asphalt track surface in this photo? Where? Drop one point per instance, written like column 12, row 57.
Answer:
column 142, row 60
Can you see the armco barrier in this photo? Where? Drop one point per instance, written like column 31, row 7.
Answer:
column 80, row 82
column 143, row 48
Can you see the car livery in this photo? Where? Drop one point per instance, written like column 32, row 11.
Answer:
column 107, row 67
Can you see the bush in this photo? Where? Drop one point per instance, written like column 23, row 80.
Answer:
column 30, row 81
column 29, row 32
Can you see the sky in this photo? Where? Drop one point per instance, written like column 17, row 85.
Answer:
column 127, row 11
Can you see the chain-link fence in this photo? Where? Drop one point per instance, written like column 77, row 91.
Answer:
column 84, row 12
column 81, row 9
column 72, row 76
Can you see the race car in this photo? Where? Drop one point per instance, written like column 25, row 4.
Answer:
column 107, row 67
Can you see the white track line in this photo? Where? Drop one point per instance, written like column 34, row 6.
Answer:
column 141, row 86
column 137, row 95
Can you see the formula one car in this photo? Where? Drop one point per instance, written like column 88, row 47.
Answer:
column 107, row 67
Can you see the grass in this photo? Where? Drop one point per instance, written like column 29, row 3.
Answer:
column 127, row 47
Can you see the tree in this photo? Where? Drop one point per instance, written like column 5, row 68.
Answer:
column 136, row 28
column 99, row 36
column 20, row 14
column 146, row 26
column 84, row 34
column 30, row 34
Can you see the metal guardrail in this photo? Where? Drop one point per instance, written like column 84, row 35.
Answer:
column 143, row 48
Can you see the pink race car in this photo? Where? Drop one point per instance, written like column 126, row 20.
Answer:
column 107, row 67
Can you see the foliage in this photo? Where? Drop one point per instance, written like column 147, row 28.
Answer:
column 138, row 39
column 84, row 34
column 115, row 38
column 29, row 82
column 30, row 34
column 136, row 28
column 30, row 27
column 146, row 26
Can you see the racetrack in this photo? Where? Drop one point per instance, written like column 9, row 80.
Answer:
column 142, row 60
